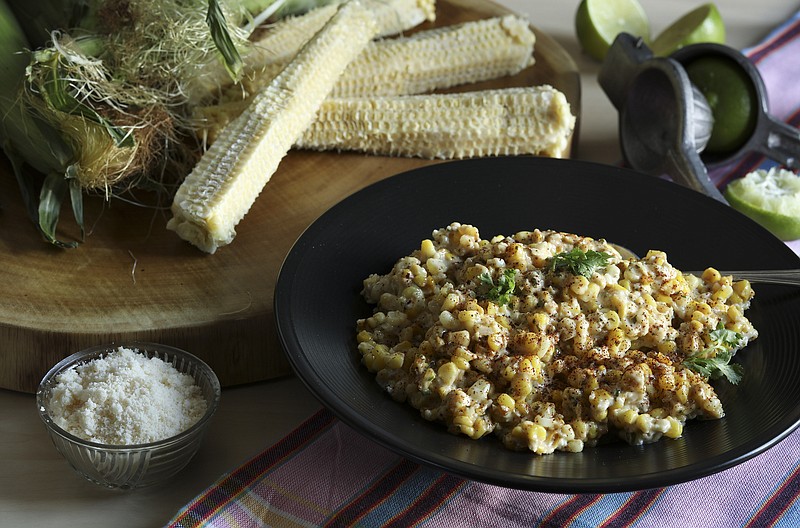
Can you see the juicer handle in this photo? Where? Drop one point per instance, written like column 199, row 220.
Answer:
column 778, row 141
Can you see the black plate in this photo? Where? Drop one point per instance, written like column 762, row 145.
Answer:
column 317, row 302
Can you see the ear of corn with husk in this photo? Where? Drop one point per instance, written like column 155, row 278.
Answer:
column 98, row 104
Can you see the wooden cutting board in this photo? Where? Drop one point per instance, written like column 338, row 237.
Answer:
column 134, row 280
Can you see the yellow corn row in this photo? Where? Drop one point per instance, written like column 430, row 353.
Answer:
column 285, row 38
column 533, row 120
column 222, row 187
column 425, row 61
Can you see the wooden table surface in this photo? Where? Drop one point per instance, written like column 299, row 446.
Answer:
column 132, row 279
column 37, row 488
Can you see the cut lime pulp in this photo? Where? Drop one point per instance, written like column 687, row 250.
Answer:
column 771, row 198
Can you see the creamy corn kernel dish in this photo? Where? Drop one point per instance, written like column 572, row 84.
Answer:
column 552, row 341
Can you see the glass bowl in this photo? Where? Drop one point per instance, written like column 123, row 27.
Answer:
column 138, row 465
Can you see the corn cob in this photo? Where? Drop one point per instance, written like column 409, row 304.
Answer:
column 425, row 61
column 285, row 38
column 229, row 177
column 512, row 121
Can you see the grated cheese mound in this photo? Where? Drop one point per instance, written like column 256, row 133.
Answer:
column 125, row 398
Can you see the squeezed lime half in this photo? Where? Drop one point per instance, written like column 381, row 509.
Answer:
column 771, row 198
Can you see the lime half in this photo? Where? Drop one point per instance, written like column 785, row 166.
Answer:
column 703, row 24
column 771, row 198
column 732, row 98
column 598, row 22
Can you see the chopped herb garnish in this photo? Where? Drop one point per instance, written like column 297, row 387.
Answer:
column 501, row 292
column 580, row 262
column 714, row 361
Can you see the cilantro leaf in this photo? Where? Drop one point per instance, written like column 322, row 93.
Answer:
column 501, row 292
column 714, row 361
column 579, row 262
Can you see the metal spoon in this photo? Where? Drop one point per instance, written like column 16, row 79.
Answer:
column 790, row 277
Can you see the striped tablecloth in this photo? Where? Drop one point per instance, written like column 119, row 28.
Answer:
column 326, row 474
column 777, row 58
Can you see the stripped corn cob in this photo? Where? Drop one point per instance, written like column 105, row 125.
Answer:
column 425, row 61
column 285, row 38
column 229, row 177
column 532, row 120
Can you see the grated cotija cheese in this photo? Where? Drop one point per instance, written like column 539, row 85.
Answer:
column 125, row 398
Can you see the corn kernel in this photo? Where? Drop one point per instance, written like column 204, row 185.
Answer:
column 613, row 319
column 469, row 318
column 743, row 289
column 575, row 446
column 579, row 284
column 395, row 361
column 711, row 275
column 448, row 372
column 581, row 428
column 666, row 299
column 675, row 428
column 495, row 341
column 670, row 287
column 629, row 416
column 462, row 420
column 450, row 302
column 723, row 293
column 480, row 428
column 644, row 422
column 448, row 321
column 363, row 336
column 505, row 400
column 667, row 347
column 427, row 249
column 592, row 291
column 537, row 432
column 434, row 266
column 658, row 413
column 460, row 362
column 473, row 305
column 522, row 386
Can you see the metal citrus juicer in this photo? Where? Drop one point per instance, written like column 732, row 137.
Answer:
column 665, row 122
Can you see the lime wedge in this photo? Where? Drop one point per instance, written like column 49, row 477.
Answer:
column 598, row 22
column 771, row 198
column 703, row 24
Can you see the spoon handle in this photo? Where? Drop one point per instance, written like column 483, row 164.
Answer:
column 789, row 277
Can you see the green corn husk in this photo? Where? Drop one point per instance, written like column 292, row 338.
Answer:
column 29, row 140
column 102, row 85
